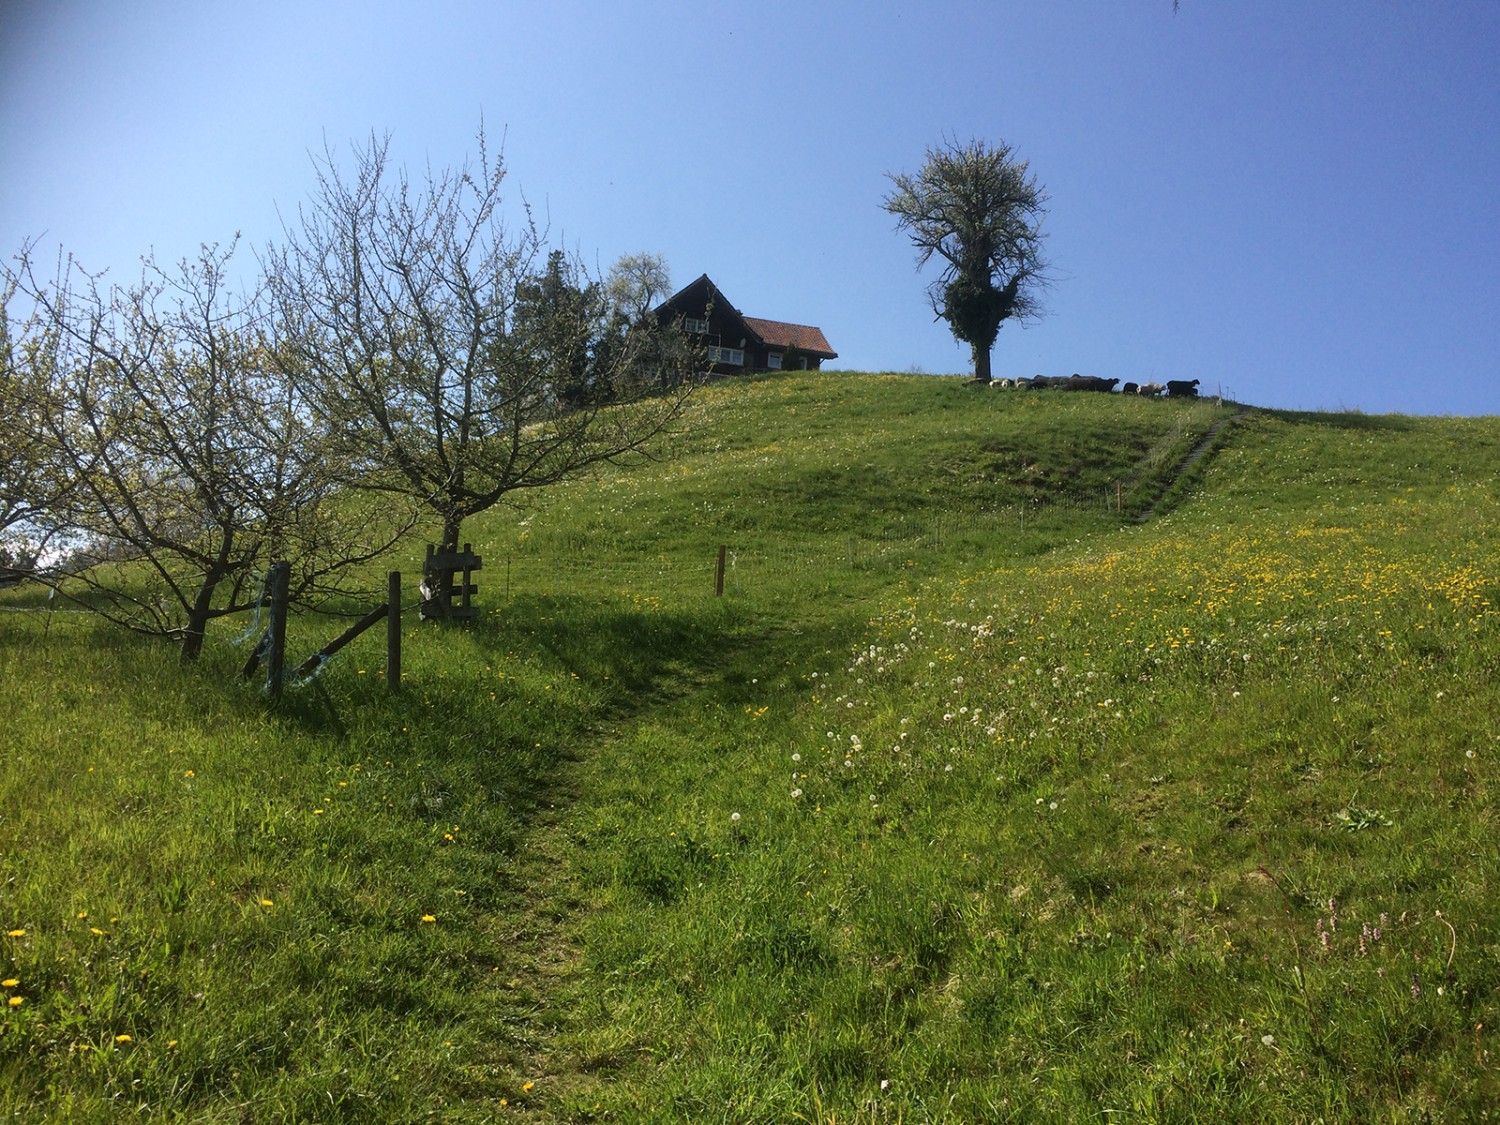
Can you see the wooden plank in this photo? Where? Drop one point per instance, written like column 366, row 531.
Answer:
column 338, row 642
column 451, row 561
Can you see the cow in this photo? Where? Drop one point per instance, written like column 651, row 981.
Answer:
column 1130, row 388
column 1089, row 383
column 1150, row 389
column 1182, row 388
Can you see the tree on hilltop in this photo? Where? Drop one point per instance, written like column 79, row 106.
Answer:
column 979, row 210
column 637, row 283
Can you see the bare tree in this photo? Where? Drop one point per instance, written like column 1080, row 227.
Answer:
column 187, row 459
column 977, row 209
column 637, row 283
column 30, row 487
column 426, row 339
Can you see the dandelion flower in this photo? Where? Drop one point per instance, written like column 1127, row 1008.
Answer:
column 15, row 933
column 734, row 816
column 189, row 773
column 123, row 1039
column 527, row 1085
column 16, row 1001
column 428, row 918
column 9, row 983
column 266, row 902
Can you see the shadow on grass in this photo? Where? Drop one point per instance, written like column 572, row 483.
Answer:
column 503, row 707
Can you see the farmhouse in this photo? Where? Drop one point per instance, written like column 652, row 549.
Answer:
column 739, row 344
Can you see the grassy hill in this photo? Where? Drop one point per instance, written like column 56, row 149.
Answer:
column 975, row 798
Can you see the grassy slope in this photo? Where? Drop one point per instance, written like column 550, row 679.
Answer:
column 971, row 801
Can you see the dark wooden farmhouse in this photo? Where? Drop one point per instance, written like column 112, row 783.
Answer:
column 739, row 344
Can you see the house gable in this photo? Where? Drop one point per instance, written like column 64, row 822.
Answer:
column 738, row 344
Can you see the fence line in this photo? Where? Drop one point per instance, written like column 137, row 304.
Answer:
column 610, row 565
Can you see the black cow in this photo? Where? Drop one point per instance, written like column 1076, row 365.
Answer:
column 1130, row 388
column 1089, row 383
column 1182, row 388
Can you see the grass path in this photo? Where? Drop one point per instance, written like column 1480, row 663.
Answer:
column 1192, row 463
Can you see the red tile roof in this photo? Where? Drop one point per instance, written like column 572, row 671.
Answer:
column 803, row 337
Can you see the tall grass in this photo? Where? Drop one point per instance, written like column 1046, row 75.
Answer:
column 972, row 801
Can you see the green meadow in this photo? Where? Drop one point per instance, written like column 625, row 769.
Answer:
column 1027, row 770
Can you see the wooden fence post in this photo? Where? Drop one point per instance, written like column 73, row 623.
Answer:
column 393, row 631
column 719, row 573
column 278, row 582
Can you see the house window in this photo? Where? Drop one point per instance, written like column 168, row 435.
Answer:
column 732, row 357
column 773, row 361
column 694, row 326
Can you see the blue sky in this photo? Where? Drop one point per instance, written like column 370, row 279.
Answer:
column 1294, row 201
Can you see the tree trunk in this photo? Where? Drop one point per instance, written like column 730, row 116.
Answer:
column 451, row 527
column 203, row 604
column 197, row 622
column 981, row 364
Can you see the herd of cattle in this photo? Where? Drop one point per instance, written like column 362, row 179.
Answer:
column 1175, row 388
